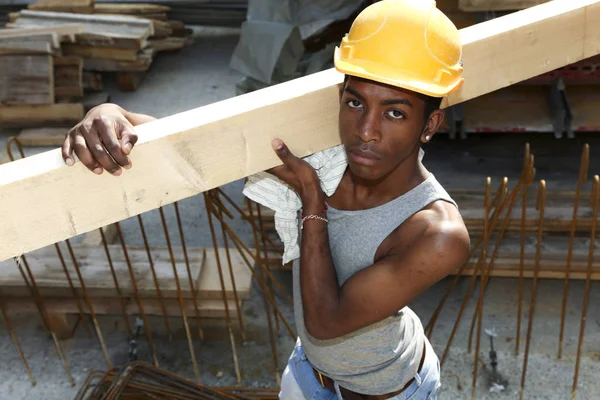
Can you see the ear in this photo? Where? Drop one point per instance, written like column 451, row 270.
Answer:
column 432, row 125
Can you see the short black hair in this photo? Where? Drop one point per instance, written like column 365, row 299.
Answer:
column 431, row 103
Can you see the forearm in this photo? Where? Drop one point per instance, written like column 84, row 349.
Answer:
column 318, row 279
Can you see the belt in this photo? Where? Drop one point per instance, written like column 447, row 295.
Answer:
column 350, row 395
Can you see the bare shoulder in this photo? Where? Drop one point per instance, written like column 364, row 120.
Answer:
column 435, row 238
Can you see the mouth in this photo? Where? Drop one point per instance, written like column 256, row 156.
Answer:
column 364, row 157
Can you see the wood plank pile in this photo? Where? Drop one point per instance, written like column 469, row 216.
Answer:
column 54, row 53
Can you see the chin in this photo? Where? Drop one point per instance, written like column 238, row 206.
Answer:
column 368, row 173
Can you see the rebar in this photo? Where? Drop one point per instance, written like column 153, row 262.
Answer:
column 116, row 282
column 586, row 293
column 136, row 293
column 154, row 277
column 210, row 209
column 189, row 272
column 73, row 291
column 15, row 340
column 581, row 181
column 487, row 208
column 540, row 205
column 179, row 293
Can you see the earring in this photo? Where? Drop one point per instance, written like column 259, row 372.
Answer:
column 427, row 138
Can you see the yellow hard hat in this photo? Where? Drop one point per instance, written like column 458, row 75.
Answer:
column 404, row 43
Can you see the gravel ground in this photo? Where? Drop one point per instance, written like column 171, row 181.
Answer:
column 200, row 75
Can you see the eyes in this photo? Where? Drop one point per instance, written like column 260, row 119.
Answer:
column 394, row 114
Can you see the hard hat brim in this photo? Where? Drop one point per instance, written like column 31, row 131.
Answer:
column 382, row 75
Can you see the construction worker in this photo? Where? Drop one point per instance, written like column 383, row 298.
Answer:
column 387, row 233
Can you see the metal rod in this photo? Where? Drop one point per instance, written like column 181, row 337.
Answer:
column 241, row 247
column 16, row 141
column 486, row 236
column 189, row 272
column 581, row 181
column 266, row 261
column 210, row 209
column 116, row 282
column 529, row 158
column 179, row 293
column 15, row 340
column 261, row 266
column 154, row 277
column 73, row 291
column 136, row 293
column 232, row 275
column 541, row 205
column 89, row 303
column 43, row 312
column 586, row 293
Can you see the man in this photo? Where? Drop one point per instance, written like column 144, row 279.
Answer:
column 387, row 233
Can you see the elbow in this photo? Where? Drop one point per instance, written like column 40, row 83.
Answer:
column 320, row 330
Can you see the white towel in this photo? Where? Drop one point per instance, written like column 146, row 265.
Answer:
column 269, row 191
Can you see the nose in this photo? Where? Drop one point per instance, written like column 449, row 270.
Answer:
column 369, row 127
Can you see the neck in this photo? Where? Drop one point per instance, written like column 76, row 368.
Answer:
column 368, row 193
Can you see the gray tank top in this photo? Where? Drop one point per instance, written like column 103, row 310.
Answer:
column 384, row 356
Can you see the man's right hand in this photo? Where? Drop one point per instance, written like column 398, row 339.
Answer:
column 102, row 140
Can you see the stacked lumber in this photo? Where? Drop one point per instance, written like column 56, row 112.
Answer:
column 57, row 295
column 497, row 5
column 28, row 91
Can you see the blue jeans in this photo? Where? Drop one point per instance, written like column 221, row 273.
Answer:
column 299, row 381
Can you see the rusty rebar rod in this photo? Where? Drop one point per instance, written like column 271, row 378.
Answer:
column 89, row 303
column 487, row 207
column 116, row 282
column 73, row 291
column 586, row 293
column 189, row 272
column 260, row 263
column 494, row 219
column 16, row 340
column 526, row 186
column 541, row 205
column 210, row 209
column 581, row 181
column 231, row 274
column 154, row 277
column 136, row 292
column 179, row 293
column 241, row 247
column 44, row 313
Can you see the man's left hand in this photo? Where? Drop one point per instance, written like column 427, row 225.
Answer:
column 299, row 174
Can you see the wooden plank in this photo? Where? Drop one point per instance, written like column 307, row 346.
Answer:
column 92, row 81
column 27, row 48
column 26, row 79
column 497, row 5
column 112, row 306
column 94, row 238
column 40, row 115
column 109, row 26
column 64, row 32
column 68, row 6
column 129, row 81
column 51, row 280
column 104, row 65
column 44, row 37
column 54, row 137
column 187, row 153
column 109, row 53
column 124, row 8
column 68, row 72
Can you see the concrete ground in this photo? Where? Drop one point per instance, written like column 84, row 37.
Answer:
column 200, row 75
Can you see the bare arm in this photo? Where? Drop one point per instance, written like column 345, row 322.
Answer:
column 435, row 250
column 104, row 138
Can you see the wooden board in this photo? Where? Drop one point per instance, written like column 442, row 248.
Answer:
column 136, row 9
column 187, row 153
column 109, row 26
column 109, row 53
column 40, row 115
column 27, row 48
column 51, row 280
column 64, row 32
column 92, row 81
column 68, row 72
column 104, row 65
column 497, row 5
column 53, row 137
column 26, row 79
column 52, row 38
column 68, row 6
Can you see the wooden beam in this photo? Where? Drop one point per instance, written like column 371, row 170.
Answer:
column 26, row 79
column 44, row 201
column 31, row 115
column 66, row 31
column 497, row 5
